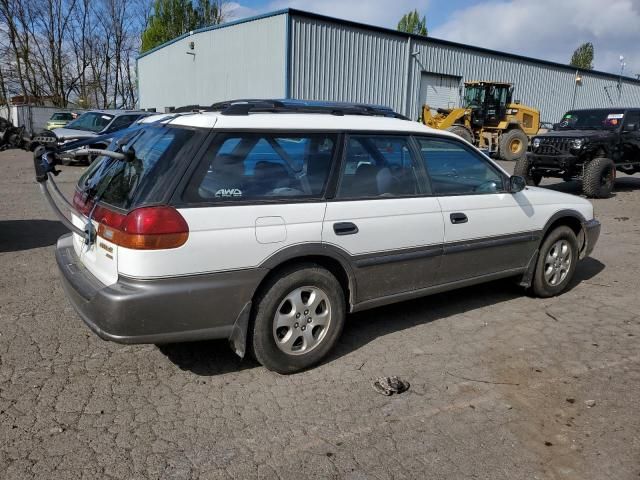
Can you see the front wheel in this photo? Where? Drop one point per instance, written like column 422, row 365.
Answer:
column 599, row 178
column 523, row 169
column 556, row 262
column 297, row 319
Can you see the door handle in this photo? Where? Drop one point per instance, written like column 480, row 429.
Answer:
column 458, row 217
column 345, row 228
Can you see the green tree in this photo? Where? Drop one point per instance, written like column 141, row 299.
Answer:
column 583, row 56
column 172, row 18
column 412, row 23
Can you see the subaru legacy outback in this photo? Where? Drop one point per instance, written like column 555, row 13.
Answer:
column 266, row 222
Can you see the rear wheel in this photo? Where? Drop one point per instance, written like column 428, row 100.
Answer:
column 462, row 132
column 513, row 144
column 523, row 169
column 297, row 319
column 599, row 178
column 556, row 262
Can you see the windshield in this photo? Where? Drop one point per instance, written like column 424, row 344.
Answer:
column 61, row 116
column 591, row 120
column 123, row 183
column 91, row 122
column 474, row 97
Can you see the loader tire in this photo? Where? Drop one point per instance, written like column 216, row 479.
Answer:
column 513, row 145
column 462, row 132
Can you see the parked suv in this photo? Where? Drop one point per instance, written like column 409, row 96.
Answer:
column 266, row 222
column 589, row 145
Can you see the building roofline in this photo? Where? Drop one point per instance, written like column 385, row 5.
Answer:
column 389, row 31
column 253, row 18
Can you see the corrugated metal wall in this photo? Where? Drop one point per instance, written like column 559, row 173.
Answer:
column 239, row 60
column 333, row 61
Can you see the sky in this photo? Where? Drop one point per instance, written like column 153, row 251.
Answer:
column 545, row 29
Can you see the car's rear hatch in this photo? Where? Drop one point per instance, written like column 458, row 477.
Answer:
column 122, row 198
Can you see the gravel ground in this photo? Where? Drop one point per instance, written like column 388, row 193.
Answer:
column 503, row 386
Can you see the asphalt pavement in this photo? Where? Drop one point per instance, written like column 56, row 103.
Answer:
column 503, row 386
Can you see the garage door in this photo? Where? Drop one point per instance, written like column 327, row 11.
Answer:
column 439, row 91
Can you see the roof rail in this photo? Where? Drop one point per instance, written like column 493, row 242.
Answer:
column 247, row 106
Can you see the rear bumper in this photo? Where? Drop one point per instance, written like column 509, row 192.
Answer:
column 591, row 235
column 177, row 309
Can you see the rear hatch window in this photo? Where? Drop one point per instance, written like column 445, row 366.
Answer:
column 130, row 184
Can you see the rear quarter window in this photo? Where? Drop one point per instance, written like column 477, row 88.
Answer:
column 263, row 167
column 128, row 184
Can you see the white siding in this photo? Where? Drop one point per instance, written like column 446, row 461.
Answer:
column 241, row 60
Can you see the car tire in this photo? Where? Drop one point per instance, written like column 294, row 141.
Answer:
column 288, row 335
column 599, row 178
column 556, row 263
column 462, row 132
column 523, row 169
column 513, row 145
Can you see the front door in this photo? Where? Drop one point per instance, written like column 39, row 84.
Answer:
column 487, row 230
column 383, row 219
column 630, row 137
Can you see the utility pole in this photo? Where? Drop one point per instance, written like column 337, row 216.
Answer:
column 578, row 81
column 622, row 65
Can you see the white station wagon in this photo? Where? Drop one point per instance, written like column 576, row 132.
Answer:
column 266, row 222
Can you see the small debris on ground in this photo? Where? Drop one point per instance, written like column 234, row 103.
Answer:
column 390, row 385
column 571, row 400
column 590, row 403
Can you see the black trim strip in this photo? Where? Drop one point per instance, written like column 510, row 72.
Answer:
column 369, row 260
column 499, row 241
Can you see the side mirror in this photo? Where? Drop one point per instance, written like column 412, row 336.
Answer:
column 516, row 184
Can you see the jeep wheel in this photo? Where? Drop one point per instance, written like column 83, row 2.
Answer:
column 513, row 144
column 462, row 132
column 523, row 169
column 297, row 319
column 556, row 263
column 599, row 178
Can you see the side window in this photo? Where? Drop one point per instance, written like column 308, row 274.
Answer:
column 378, row 166
column 457, row 170
column 632, row 118
column 123, row 121
column 263, row 166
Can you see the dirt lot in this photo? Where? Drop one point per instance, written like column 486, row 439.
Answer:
column 502, row 386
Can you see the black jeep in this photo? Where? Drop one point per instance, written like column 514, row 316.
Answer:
column 588, row 145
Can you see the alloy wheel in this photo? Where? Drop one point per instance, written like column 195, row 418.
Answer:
column 557, row 262
column 302, row 320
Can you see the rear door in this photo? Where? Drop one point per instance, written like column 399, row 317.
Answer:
column 383, row 218
column 252, row 196
column 487, row 230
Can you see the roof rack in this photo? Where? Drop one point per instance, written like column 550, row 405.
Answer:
column 247, row 106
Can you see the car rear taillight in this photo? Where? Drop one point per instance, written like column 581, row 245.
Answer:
column 146, row 228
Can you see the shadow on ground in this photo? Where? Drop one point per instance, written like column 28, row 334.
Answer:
column 211, row 358
column 17, row 235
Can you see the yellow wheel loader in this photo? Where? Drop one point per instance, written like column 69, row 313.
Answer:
column 489, row 119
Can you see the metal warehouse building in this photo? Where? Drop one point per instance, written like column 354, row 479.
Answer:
column 296, row 54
